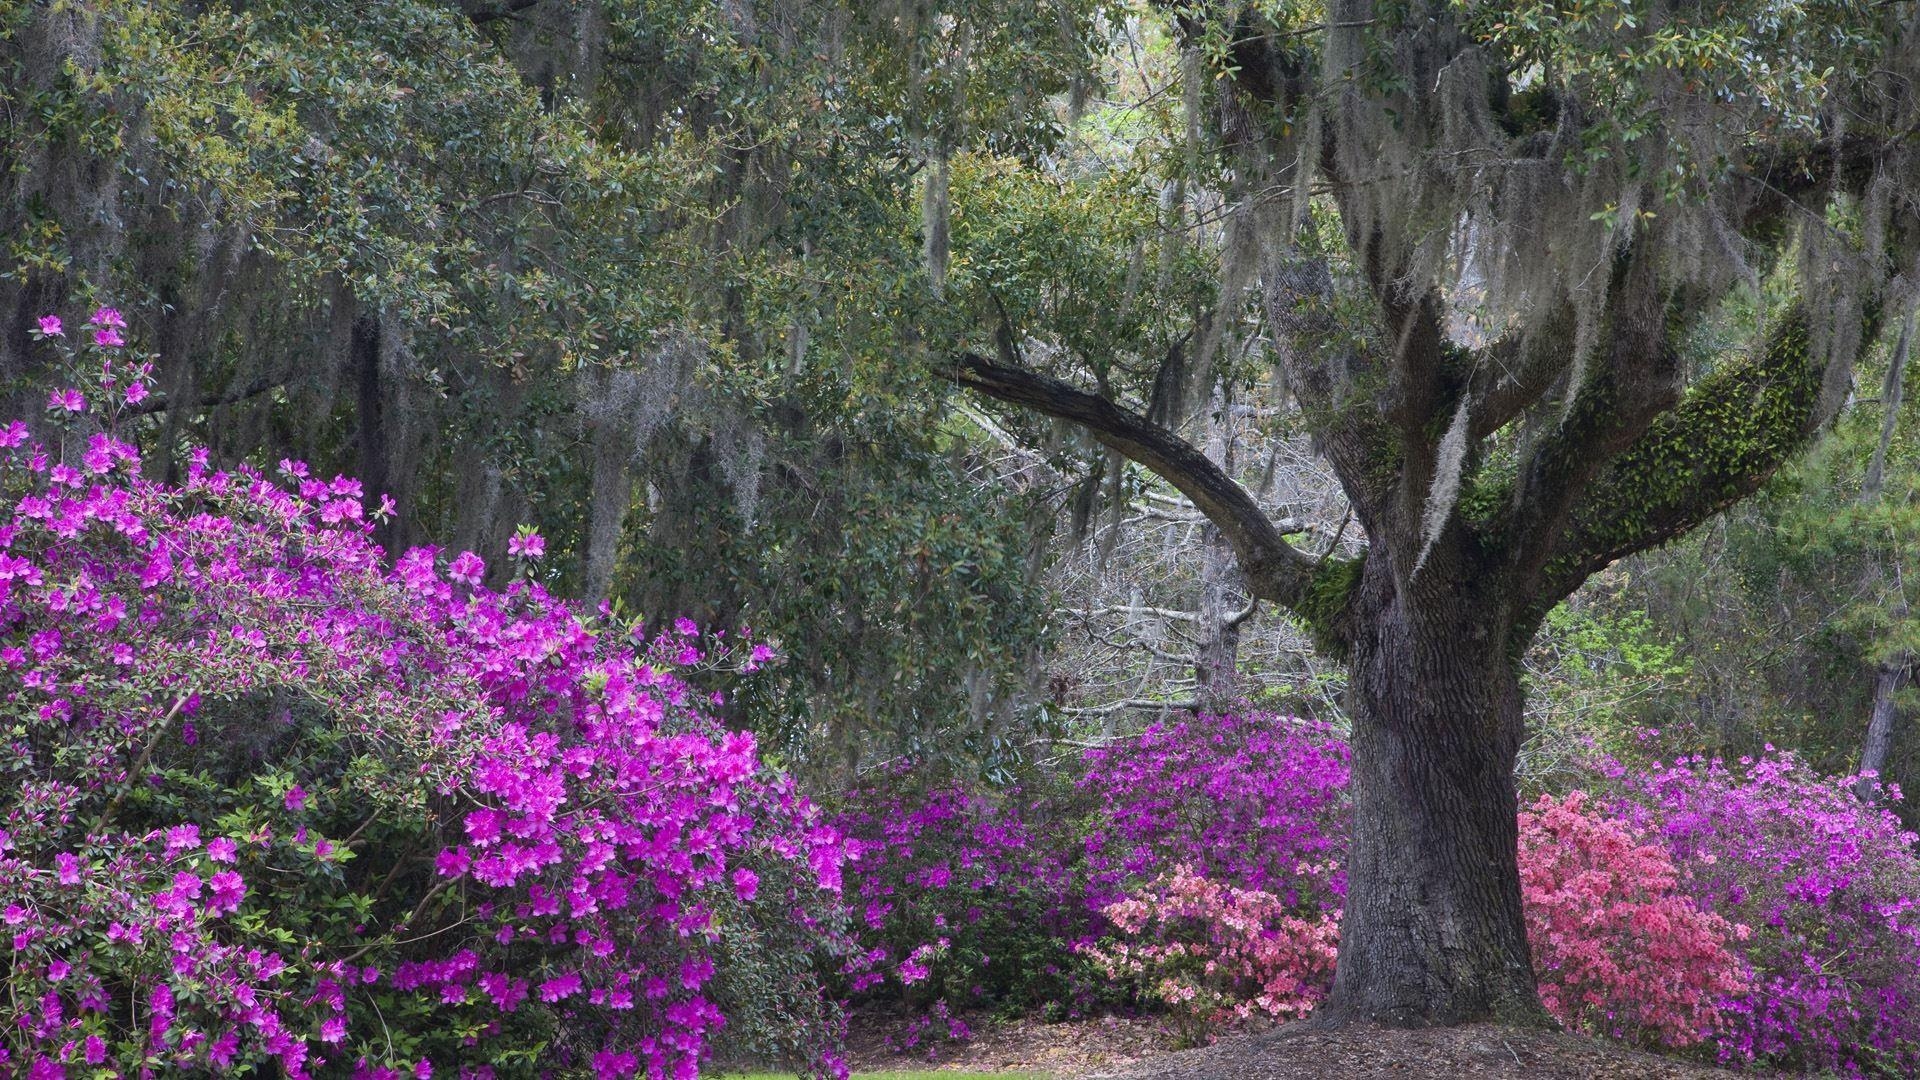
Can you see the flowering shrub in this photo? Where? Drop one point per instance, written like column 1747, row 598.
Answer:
column 1768, row 914
column 273, row 804
column 1211, row 953
column 1619, row 948
column 957, row 895
column 968, row 897
column 1242, row 799
column 1832, row 889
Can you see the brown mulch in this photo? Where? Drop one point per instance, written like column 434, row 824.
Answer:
column 1473, row 1052
column 1067, row 1048
column 1123, row 1048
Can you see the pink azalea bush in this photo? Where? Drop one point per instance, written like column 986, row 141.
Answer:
column 968, row 896
column 1211, row 953
column 1619, row 948
column 272, row 803
column 1831, row 888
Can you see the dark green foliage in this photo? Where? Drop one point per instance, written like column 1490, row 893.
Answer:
column 645, row 274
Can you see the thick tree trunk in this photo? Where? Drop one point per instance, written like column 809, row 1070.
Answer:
column 1433, row 932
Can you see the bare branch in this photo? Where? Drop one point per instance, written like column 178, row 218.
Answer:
column 1156, row 612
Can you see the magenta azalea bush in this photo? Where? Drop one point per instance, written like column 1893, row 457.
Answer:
column 1831, row 888
column 1244, row 799
column 958, row 896
column 273, row 804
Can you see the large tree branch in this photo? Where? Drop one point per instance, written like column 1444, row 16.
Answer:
column 1728, row 435
column 233, row 395
column 1636, row 378
column 1328, row 370
column 1513, row 373
column 1275, row 570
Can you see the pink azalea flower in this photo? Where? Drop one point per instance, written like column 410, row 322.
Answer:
column 527, row 544
column 467, row 568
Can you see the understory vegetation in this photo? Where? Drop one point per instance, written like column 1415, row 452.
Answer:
column 1750, row 913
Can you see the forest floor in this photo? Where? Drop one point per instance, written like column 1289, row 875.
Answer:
column 1117, row 1048
column 1477, row 1051
column 1015, row 1047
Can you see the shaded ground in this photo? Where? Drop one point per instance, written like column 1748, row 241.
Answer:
column 1070, row 1048
column 1474, row 1052
column 1116, row 1048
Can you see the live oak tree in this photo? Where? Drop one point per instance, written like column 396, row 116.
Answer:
column 1543, row 208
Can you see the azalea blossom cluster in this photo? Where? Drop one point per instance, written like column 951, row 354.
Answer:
column 1246, row 798
column 1620, row 948
column 274, row 802
column 1830, row 886
column 1212, row 953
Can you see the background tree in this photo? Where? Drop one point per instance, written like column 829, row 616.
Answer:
column 644, row 273
column 1546, row 208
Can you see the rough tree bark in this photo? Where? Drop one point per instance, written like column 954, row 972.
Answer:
column 1888, row 681
column 1432, row 931
column 370, row 397
column 1892, row 676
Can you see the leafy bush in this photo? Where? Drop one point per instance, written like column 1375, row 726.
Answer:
column 1620, row 949
column 272, row 804
column 1831, row 887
